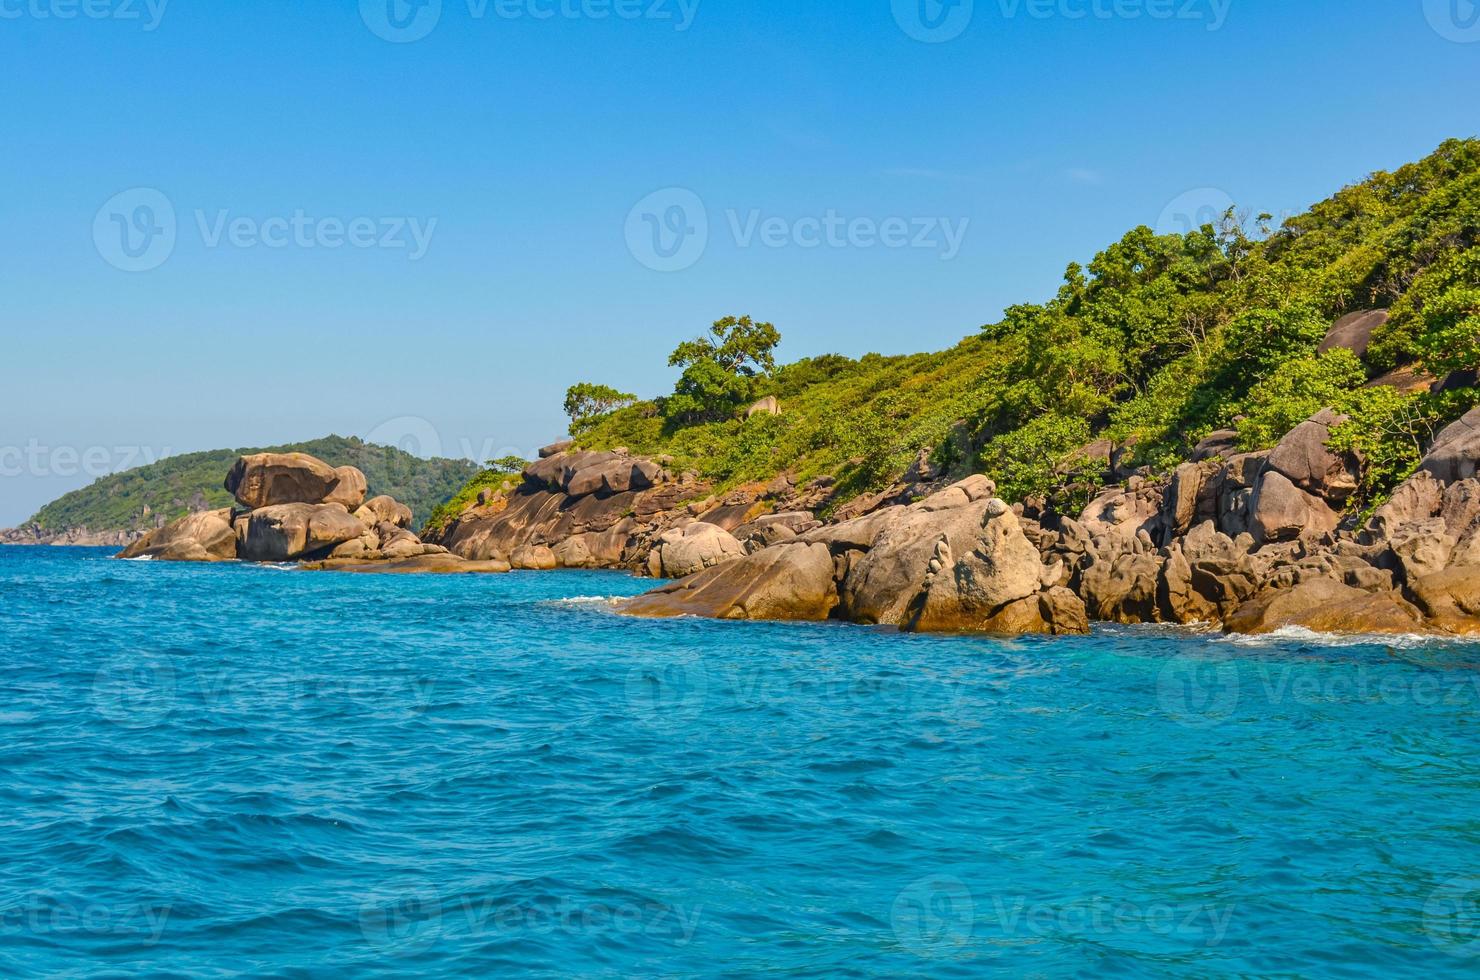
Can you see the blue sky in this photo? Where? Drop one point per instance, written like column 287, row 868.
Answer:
column 871, row 178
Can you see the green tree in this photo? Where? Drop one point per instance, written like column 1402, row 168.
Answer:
column 585, row 403
column 1449, row 337
column 721, row 368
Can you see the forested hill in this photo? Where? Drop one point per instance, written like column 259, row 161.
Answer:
column 1156, row 343
column 139, row 498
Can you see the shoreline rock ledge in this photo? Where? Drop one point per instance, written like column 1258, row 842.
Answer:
column 297, row 508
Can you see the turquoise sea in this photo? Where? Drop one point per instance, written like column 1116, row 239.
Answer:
column 228, row 770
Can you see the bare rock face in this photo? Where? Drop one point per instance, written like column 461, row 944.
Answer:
column 791, row 581
column 206, row 536
column 1192, row 496
column 1218, row 445
column 1303, row 459
column 269, row 479
column 1123, row 589
column 1281, row 511
column 350, row 488
column 384, row 509
column 287, row 532
column 1456, row 452
column 687, row 550
column 1326, row 606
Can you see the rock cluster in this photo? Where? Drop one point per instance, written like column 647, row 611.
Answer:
column 958, row 560
column 579, row 509
column 296, row 508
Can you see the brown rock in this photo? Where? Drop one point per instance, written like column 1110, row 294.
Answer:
column 687, row 550
column 1326, row 606
column 349, row 489
column 1456, row 451
column 1303, row 459
column 385, row 509
column 287, row 532
column 1353, row 331
column 204, row 536
column 1281, row 511
column 788, row 582
column 269, row 479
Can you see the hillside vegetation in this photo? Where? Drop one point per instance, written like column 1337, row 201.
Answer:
column 1158, row 341
column 137, row 499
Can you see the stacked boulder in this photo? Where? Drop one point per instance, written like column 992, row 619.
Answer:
column 296, row 508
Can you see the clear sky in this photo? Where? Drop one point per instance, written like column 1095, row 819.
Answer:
column 238, row 223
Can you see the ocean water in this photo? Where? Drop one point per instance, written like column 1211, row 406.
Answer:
column 225, row 770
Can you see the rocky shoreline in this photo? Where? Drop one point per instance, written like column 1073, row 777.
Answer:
column 1249, row 542
column 75, row 537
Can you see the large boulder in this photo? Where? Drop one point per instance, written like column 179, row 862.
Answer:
column 1326, row 606
column 205, row 536
column 984, row 587
column 1451, row 599
column 1456, row 451
column 791, row 581
column 1123, row 589
column 1303, row 458
column 349, row 489
column 287, row 532
column 387, row 510
column 1281, row 511
column 269, row 479
column 766, row 406
column 534, row 558
column 1353, row 332
column 687, row 550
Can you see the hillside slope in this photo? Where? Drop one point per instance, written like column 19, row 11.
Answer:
column 1155, row 344
column 144, row 498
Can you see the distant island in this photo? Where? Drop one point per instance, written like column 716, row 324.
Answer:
column 118, row 509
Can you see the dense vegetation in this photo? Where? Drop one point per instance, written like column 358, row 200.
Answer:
column 1160, row 340
column 173, row 487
